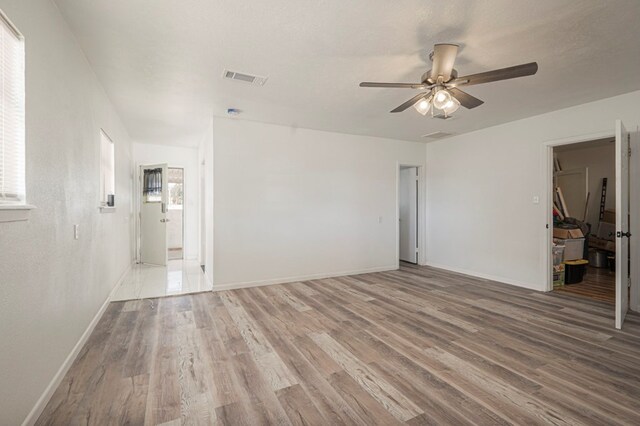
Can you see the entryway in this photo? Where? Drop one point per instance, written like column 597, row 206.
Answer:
column 588, row 238
column 408, row 196
column 162, row 268
column 162, row 212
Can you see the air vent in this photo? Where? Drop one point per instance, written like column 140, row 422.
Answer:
column 443, row 117
column 244, row 77
column 437, row 135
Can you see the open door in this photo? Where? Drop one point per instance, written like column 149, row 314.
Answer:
column 622, row 223
column 408, row 212
column 153, row 213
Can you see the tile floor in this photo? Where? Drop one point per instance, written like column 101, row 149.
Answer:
column 178, row 277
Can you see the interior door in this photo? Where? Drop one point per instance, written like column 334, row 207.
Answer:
column 408, row 212
column 154, row 197
column 622, row 223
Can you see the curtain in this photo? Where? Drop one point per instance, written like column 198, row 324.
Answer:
column 152, row 182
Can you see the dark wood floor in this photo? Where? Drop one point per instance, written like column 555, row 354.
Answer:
column 598, row 284
column 416, row 346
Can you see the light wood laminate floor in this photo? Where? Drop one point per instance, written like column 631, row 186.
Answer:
column 415, row 346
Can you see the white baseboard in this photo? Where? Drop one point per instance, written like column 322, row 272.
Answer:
column 487, row 276
column 35, row 412
column 247, row 284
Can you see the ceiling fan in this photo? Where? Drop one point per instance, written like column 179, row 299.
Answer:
column 440, row 84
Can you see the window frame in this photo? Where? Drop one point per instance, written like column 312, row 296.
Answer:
column 102, row 192
column 18, row 210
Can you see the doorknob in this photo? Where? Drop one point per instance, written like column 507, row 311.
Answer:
column 164, row 220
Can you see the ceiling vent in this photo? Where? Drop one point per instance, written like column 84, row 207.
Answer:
column 245, row 78
column 443, row 117
column 437, row 135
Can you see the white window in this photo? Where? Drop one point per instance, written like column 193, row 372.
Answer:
column 107, row 170
column 12, row 100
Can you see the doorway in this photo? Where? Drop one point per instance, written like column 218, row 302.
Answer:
column 154, row 197
column 610, row 237
column 408, row 196
column 162, row 214
column 584, row 182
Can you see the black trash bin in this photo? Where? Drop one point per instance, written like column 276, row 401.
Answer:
column 574, row 271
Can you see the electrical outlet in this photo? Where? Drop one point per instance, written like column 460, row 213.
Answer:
column 536, row 199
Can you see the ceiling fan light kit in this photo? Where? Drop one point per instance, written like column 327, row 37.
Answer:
column 442, row 82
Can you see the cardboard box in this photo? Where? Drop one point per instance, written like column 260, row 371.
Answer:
column 609, row 216
column 601, row 244
column 566, row 234
column 607, row 231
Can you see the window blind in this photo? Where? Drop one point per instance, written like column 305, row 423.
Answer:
column 12, row 101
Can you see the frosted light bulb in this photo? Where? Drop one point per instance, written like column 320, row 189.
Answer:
column 451, row 106
column 441, row 98
column 423, row 106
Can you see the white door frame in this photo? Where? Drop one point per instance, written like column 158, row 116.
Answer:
column 184, row 207
column 422, row 213
column 137, row 200
column 547, row 201
column 634, row 243
column 634, row 200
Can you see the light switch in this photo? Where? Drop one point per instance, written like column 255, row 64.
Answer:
column 536, row 199
column 76, row 231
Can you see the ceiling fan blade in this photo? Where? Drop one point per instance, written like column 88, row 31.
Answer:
column 465, row 99
column 444, row 56
column 496, row 75
column 394, row 85
column 411, row 102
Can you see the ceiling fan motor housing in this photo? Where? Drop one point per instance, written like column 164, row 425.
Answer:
column 428, row 79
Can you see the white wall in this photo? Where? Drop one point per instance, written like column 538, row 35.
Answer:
column 205, row 159
column 601, row 162
column 480, row 185
column 52, row 286
column 187, row 158
column 295, row 203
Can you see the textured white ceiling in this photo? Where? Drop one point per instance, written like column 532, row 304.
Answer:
column 161, row 61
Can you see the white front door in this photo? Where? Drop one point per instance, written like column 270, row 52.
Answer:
column 153, row 213
column 408, row 214
column 622, row 223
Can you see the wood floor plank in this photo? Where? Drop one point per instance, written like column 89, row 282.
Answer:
column 330, row 404
column 299, row 407
column 389, row 397
column 368, row 408
column 277, row 373
column 417, row 345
